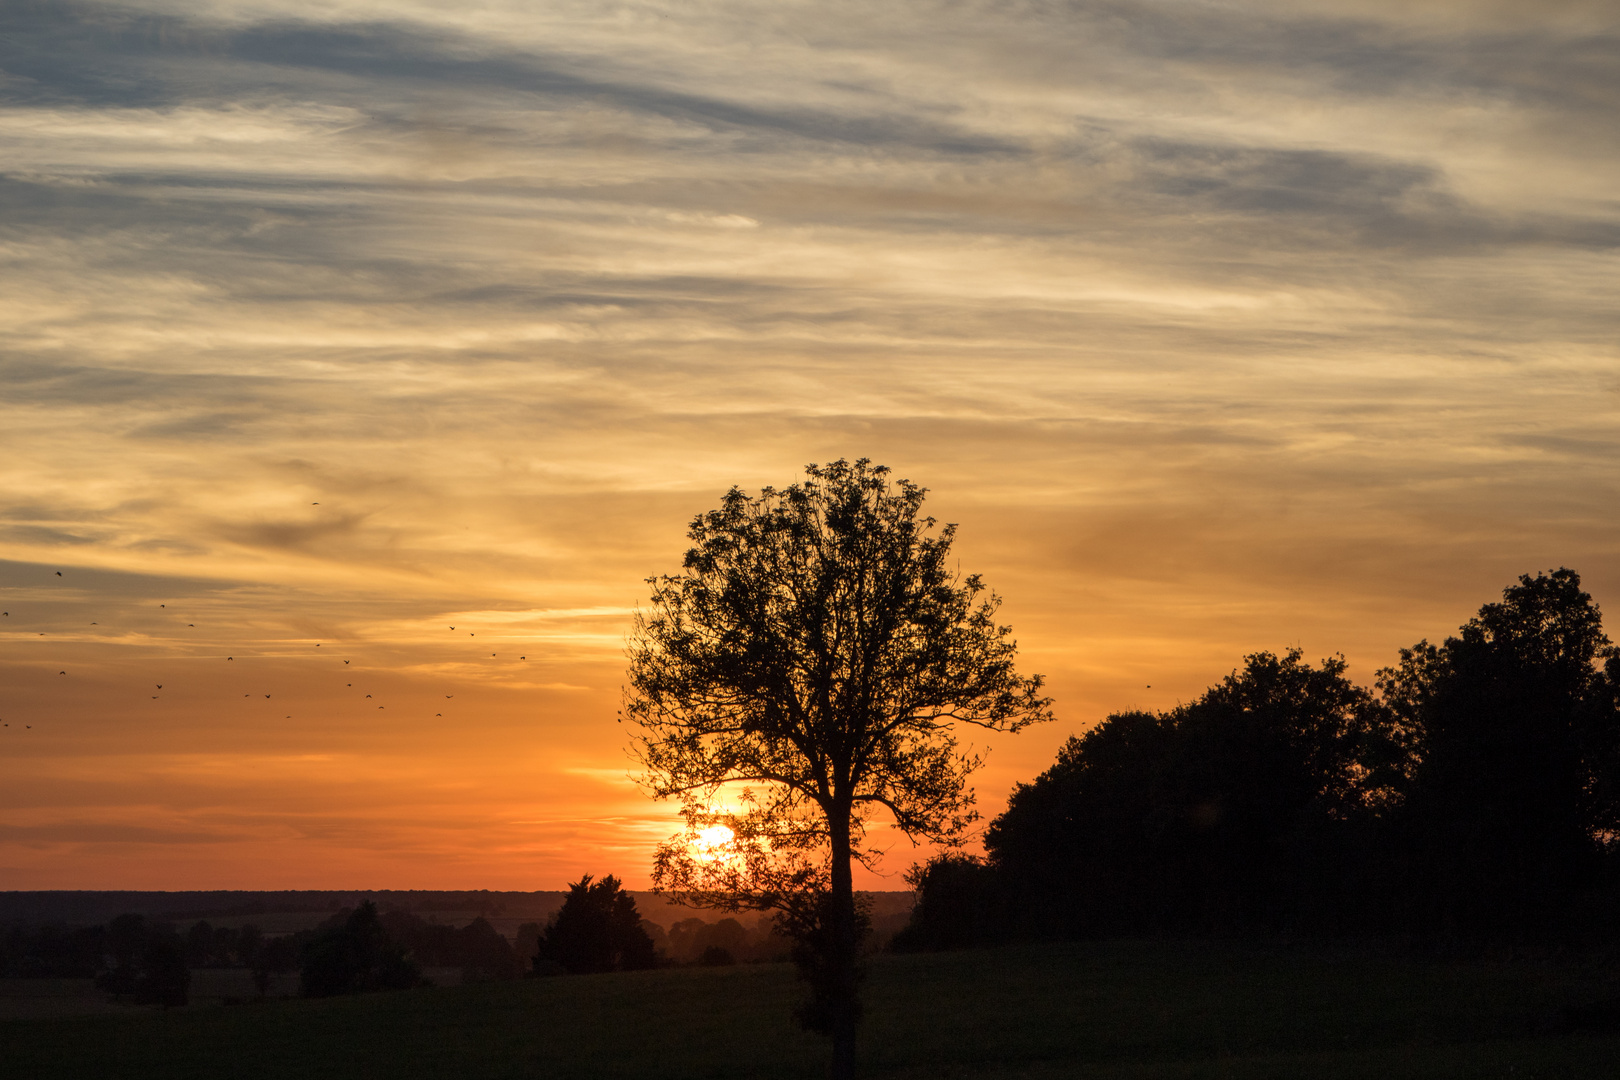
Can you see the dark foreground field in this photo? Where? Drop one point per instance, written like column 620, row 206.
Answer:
column 1100, row 1010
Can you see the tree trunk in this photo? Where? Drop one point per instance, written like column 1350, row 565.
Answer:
column 844, row 1008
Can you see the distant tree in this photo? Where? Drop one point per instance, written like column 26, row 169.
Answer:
column 200, row 944
column 245, row 948
column 126, row 938
column 275, row 956
column 484, row 953
column 597, row 930
column 1515, row 792
column 527, row 945
column 716, row 956
column 52, row 952
column 164, row 978
column 812, row 661
column 353, row 954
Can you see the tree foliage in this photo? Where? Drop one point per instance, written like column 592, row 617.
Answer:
column 1514, row 777
column 1209, row 815
column 1474, row 793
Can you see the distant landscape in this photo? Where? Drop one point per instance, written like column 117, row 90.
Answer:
column 220, row 975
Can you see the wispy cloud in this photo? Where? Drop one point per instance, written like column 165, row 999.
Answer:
column 1218, row 326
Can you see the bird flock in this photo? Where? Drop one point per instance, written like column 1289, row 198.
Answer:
column 5, row 616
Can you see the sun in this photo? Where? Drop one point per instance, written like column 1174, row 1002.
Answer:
column 708, row 842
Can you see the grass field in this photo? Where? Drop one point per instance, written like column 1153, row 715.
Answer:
column 1137, row 1010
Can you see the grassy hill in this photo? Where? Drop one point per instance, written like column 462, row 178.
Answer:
column 1138, row 1010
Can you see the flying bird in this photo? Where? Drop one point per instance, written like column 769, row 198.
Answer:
column 449, row 696
column 160, row 686
column 61, row 673
column 59, row 573
column 368, row 695
column 452, row 628
column 230, row 658
column 267, row 695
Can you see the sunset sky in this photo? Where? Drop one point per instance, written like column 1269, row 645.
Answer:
column 327, row 327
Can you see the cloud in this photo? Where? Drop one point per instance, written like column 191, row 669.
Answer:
column 1216, row 326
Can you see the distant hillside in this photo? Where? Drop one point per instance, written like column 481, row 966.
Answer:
column 85, row 908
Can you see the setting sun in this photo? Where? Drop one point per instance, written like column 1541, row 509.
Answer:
column 711, row 839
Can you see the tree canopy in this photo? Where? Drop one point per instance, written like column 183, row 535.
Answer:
column 1473, row 792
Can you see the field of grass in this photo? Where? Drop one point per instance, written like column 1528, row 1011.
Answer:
column 1126, row 1010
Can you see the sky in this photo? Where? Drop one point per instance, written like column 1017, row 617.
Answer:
column 359, row 361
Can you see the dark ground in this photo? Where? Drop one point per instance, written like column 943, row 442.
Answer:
column 1121, row 1009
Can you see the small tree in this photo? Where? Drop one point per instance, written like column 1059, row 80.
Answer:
column 354, row 954
column 810, row 665
column 598, row 929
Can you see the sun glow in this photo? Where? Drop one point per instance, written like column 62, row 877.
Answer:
column 709, row 843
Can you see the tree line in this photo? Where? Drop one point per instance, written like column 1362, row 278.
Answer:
column 365, row 948
column 1472, row 793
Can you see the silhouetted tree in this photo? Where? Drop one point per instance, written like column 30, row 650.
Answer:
column 597, row 929
column 52, row 952
column 815, row 653
column 1514, row 792
column 164, row 978
column 249, row 940
column 716, row 956
column 484, row 953
column 126, row 938
column 1240, row 808
column 275, row 956
column 961, row 902
column 354, row 954
column 527, row 945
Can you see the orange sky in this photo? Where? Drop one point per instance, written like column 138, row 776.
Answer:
column 326, row 328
